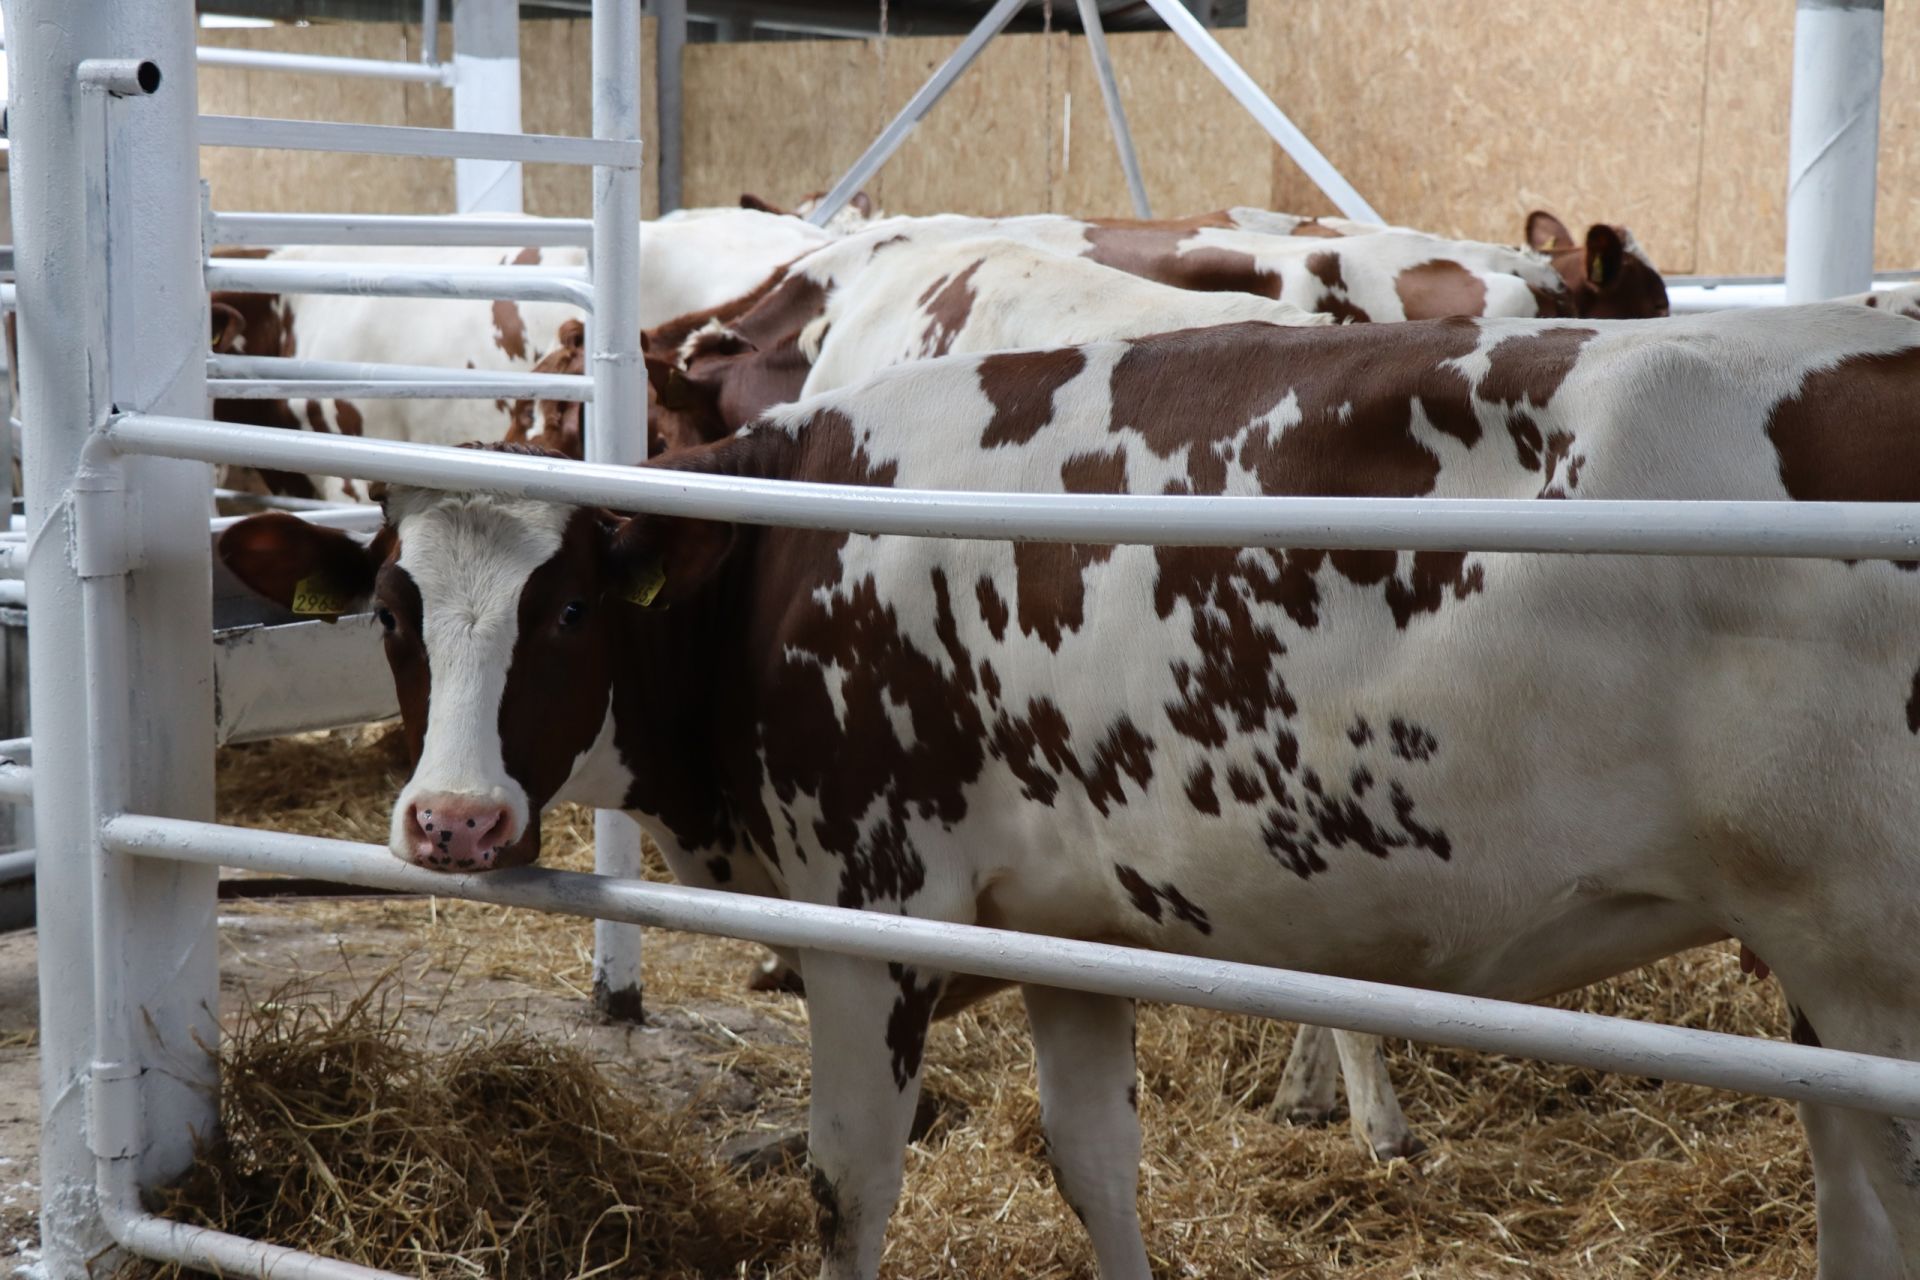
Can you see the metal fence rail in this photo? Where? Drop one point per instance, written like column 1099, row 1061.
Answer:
column 1828, row 530
column 1776, row 1068
column 276, row 229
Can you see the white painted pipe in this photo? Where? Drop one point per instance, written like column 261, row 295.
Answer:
column 616, row 426
column 1096, row 35
column 405, row 140
column 353, row 519
column 19, row 750
column 1262, row 108
column 505, row 386
column 320, row 64
column 430, row 31
column 1722, row 1061
column 527, row 284
column 274, row 229
column 294, row 369
column 1833, row 147
column 13, row 560
column 16, row 781
column 1827, row 530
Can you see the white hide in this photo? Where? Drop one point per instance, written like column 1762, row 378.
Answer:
column 1020, row 297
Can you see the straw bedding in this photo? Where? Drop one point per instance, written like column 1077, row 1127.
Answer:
column 353, row 1132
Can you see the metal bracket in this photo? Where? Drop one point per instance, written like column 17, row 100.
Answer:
column 113, row 1109
column 105, row 530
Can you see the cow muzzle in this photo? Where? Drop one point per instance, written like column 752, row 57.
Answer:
column 453, row 832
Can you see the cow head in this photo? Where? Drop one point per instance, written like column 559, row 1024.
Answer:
column 503, row 621
column 679, row 414
column 854, row 215
column 1609, row 276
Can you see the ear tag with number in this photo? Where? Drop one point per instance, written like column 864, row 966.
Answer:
column 317, row 597
column 646, row 583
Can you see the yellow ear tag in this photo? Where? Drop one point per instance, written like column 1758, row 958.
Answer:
column 647, row 581
column 316, row 596
column 1597, row 269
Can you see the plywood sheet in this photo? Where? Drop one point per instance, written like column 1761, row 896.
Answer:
column 312, row 180
column 1198, row 150
column 990, row 146
column 778, row 119
column 1458, row 116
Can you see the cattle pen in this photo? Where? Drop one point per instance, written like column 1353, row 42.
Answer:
column 115, row 381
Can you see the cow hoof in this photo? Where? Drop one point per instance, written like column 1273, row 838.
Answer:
column 1404, row 1147
column 1314, row 1116
column 771, row 975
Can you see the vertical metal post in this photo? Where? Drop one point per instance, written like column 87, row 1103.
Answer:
column 1834, row 147
column 617, row 420
column 156, row 337
column 671, row 42
column 1116, row 110
column 430, row 31
column 486, row 97
column 902, row 125
column 1261, row 107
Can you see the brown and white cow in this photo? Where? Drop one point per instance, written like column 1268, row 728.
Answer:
column 1500, row 774
column 1902, row 300
column 695, row 258
column 758, row 350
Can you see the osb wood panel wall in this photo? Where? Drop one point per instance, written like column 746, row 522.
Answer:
column 1454, row 115
column 555, row 97
column 1022, row 131
column 1458, row 116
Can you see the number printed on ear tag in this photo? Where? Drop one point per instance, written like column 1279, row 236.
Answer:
column 645, row 585
column 316, row 597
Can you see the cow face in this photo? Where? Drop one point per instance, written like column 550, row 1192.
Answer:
column 679, row 414
column 1609, row 276
column 503, row 621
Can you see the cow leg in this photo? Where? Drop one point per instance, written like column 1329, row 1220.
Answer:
column 1372, row 1105
column 1089, row 1107
column 1310, row 1082
column 1856, row 1239
column 1866, row 1166
column 869, row 1029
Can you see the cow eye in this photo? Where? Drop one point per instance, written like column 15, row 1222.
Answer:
column 574, row 611
column 386, row 617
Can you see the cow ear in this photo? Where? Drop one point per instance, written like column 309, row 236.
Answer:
column 1546, row 233
column 864, row 203
column 303, row 567
column 1606, row 254
column 757, row 204
column 227, row 325
column 655, row 562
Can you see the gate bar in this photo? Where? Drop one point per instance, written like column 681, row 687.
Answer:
column 276, row 229
column 1776, row 1068
column 527, row 284
column 276, row 134
column 295, row 370
column 1824, row 530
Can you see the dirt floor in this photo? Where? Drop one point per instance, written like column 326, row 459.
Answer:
column 1531, row 1169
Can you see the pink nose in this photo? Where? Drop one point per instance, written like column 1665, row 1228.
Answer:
column 459, row 833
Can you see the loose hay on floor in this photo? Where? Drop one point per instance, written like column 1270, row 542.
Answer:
column 1533, row 1169
column 505, row 1156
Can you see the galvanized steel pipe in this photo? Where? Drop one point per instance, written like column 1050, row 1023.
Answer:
column 1825, row 530
column 1775, row 1068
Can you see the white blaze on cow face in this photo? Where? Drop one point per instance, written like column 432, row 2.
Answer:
column 470, row 558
